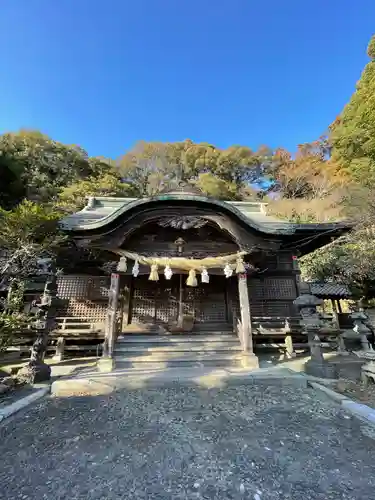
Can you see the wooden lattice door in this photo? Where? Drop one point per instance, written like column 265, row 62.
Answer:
column 154, row 302
column 207, row 301
column 158, row 302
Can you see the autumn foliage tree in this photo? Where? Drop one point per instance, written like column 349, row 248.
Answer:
column 308, row 187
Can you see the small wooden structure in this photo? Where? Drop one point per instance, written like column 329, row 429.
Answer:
column 336, row 293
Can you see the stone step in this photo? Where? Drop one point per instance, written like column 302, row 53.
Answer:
column 203, row 329
column 151, row 333
column 124, row 378
column 211, row 330
column 180, row 347
column 168, row 339
column 150, row 363
column 163, row 365
column 179, row 357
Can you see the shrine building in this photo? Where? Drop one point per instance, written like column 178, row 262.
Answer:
column 183, row 269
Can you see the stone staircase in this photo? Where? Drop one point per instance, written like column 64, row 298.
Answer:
column 196, row 349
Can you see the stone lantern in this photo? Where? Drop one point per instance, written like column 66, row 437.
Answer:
column 36, row 370
column 312, row 323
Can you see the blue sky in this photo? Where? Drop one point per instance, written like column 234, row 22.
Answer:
column 104, row 74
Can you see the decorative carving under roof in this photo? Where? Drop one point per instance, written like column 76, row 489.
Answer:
column 182, row 222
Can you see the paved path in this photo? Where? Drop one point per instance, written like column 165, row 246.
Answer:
column 254, row 442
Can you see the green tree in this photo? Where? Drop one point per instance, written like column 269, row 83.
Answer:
column 11, row 323
column 349, row 260
column 73, row 196
column 29, row 236
column 12, row 188
column 150, row 167
column 215, row 187
column 371, row 48
column 146, row 167
column 237, row 164
column 194, row 159
column 12, row 318
column 39, row 167
column 30, row 232
column 353, row 133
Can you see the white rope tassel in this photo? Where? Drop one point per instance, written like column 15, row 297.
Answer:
column 122, row 265
column 228, row 271
column 192, row 278
column 168, row 273
column 204, row 275
column 135, row 270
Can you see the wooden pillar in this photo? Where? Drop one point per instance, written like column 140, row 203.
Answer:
column 106, row 363
column 297, row 273
column 246, row 333
column 247, row 338
column 125, row 303
column 180, row 315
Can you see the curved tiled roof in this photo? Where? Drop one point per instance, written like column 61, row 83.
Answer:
column 101, row 211
column 330, row 290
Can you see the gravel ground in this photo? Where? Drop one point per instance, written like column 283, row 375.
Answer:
column 15, row 394
column 357, row 391
column 253, row 442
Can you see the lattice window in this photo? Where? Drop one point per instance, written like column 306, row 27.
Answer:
column 189, row 308
column 143, row 309
column 144, row 293
column 262, row 306
column 82, row 309
column 272, row 288
column 83, row 287
column 212, row 311
column 195, row 293
column 166, row 311
column 83, row 297
column 72, row 286
column 271, row 308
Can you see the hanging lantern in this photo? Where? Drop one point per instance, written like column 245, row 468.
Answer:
column 192, row 278
column 168, row 273
column 240, row 267
column 228, row 271
column 122, row 265
column 154, row 276
column 135, row 270
column 204, row 275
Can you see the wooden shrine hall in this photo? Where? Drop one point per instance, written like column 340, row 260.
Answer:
column 181, row 268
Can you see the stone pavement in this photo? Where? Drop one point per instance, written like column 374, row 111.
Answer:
column 256, row 441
